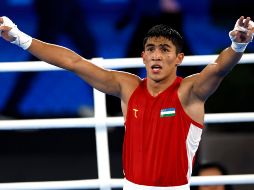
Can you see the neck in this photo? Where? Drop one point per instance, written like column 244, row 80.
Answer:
column 156, row 87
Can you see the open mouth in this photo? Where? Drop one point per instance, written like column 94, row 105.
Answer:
column 156, row 68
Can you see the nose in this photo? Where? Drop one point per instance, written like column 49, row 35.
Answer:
column 156, row 55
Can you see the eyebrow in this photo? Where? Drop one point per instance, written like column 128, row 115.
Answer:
column 161, row 45
column 165, row 45
column 149, row 45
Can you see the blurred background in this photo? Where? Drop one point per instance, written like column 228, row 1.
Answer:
column 113, row 29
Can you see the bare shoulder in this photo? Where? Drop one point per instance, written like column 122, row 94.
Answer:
column 128, row 82
column 191, row 104
column 185, row 91
column 128, row 77
column 187, row 83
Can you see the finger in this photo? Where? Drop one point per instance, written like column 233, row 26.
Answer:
column 5, row 28
column 1, row 20
column 246, row 22
column 233, row 32
column 251, row 25
column 240, row 21
column 251, row 32
column 233, row 35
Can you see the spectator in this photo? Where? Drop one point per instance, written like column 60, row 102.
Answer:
column 211, row 169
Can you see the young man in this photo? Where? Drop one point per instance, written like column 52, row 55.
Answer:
column 164, row 114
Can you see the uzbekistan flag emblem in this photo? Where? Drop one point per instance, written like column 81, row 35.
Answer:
column 168, row 112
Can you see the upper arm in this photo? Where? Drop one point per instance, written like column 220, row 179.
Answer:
column 207, row 81
column 107, row 81
column 195, row 89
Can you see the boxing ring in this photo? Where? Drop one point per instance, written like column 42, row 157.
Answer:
column 101, row 122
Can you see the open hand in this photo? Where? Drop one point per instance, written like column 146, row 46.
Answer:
column 243, row 30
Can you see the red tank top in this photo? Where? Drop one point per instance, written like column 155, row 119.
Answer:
column 160, row 138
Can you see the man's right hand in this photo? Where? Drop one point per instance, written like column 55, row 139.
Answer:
column 10, row 32
column 5, row 26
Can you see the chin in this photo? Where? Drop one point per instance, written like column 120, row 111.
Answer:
column 156, row 79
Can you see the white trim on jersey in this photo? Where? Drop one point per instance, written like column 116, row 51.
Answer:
column 132, row 186
column 192, row 142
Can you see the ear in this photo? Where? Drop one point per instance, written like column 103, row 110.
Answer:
column 142, row 55
column 179, row 58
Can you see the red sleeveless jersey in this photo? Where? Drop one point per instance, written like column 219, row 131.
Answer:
column 160, row 138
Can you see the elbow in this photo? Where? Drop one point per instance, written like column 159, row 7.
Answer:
column 71, row 64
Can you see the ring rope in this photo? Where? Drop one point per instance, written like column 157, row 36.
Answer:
column 110, row 121
column 118, row 183
column 197, row 60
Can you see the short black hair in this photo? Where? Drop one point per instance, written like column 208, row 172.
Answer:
column 165, row 31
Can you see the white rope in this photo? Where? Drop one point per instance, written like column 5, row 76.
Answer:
column 113, row 63
column 118, row 183
column 220, row 180
column 229, row 117
column 110, row 121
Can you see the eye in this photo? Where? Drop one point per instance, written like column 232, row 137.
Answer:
column 164, row 49
column 149, row 48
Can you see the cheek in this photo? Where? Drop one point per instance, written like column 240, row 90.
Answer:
column 144, row 58
column 173, row 60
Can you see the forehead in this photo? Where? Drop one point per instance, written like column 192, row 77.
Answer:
column 210, row 171
column 158, row 41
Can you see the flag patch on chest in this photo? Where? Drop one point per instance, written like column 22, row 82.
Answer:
column 168, row 112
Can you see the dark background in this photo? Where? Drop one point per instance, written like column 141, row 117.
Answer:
column 104, row 28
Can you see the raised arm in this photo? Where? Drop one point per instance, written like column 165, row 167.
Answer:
column 208, row 80
column 104, row 80
column 107, row 81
